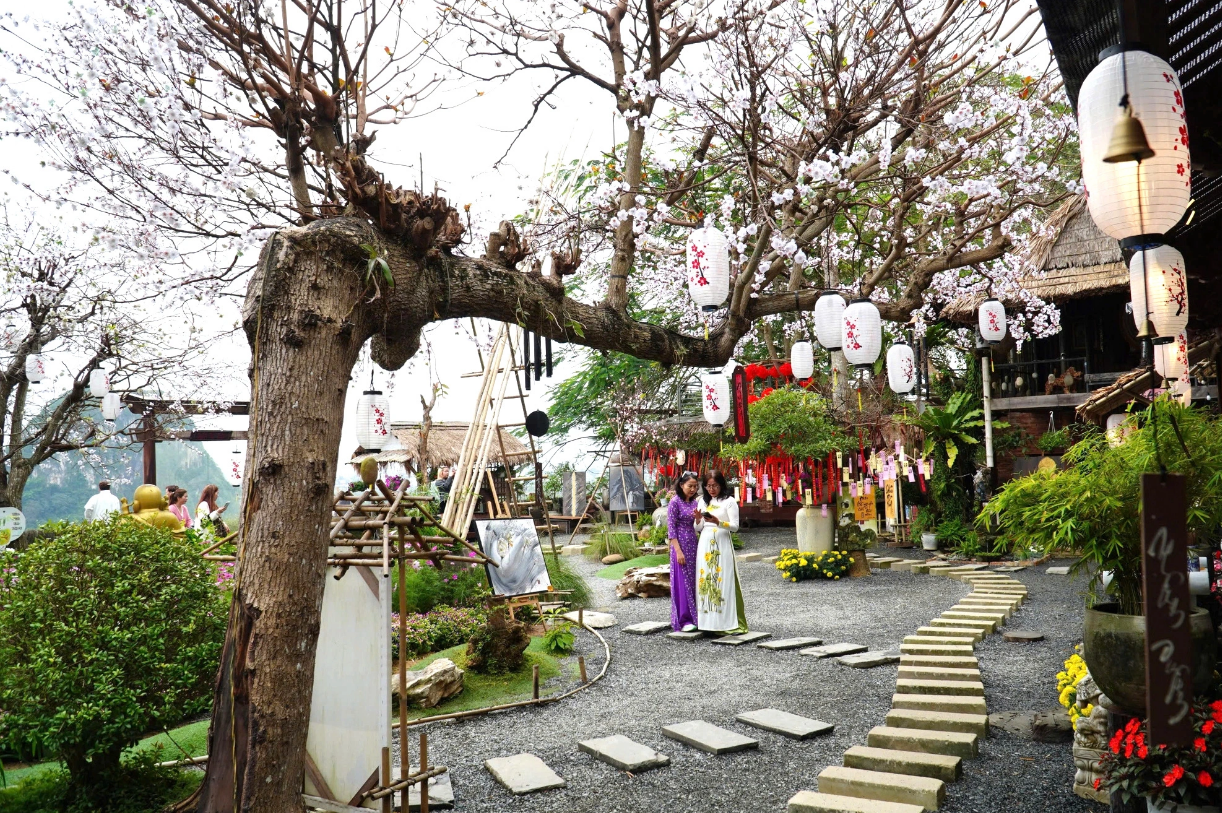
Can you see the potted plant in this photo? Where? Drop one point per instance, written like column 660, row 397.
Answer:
column 1186, row 779
column 853, row 540
column 925, row 526
column 1093, row 506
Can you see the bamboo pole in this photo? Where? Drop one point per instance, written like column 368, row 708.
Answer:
column 424, row 766
column 364, row 495
column 459, row 492
column 404, row 756
column 388, row 799
column 414, row 779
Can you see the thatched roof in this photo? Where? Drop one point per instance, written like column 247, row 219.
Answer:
column 1075, row 259
column 1133, row 384
column 445, row 445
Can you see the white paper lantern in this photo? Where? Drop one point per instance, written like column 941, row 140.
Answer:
column 35, row 368
column 1160, row 185
column 715, row 399
column 373, row 421
column 237, row 466
column 992, row 320
column 829, row 310
column 802, row 360
column 708, row 268
column 1171, row 359
column 99, row 383
column 1115, row 431
column 112, row 405
column 901, row 368
column 1159, row 288
column 861, row 336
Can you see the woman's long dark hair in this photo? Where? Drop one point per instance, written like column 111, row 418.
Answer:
column 718, row 478
column 683, row 478
column 208, row 495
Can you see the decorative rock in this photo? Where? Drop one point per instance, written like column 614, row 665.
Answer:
column 810, row 802
column 685, row 636
column 886, row 787
column 912, row 763
column 613, row 558
column 593, row 620
column 868, row 660
column 620, row 752
column 1017, row 723
column 1052, row 726
column 708, row 737
column 950, row 743
column 940, row 702
column 1023, row 636
column 790, row 643
column 647, row 627
column 749, row 557
column 744, row 638
column 659, row 515
column 1057, row 571
column 832, row 650
column 939, row 721
column 784, row 723
column 523, row 773
column 441, row 794
column 646, row 582
column 427, row 687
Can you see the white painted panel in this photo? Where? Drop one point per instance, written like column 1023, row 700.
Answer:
column 350, row 709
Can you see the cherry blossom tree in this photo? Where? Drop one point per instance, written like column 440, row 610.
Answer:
column 896, row 149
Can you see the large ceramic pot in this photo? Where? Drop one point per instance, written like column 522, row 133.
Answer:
column 1151, row 807
column 815, row 532
column 929, row 541
column 1114, row 651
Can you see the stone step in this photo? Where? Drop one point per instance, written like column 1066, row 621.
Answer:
column 923, row 740
column 1007, row 608
column 912, row 763
column 571, row 550
column 985, row 627
column 939, row 721
column 977, row 568
column 884, row 787
column 996, row 577
column 976, row 635
column 755, row 556
column 1061, row 570
column 523, row 773
column 647, row 627
column 934, row 570
column 905, row 565
column 708, row 737
column 868, row 660
column 911, row 686
column 790, row 643
column 960, row 704
column 954, row 640
column 994, row 598
column 936, row 649
column 785, row 724
column 883, row 562
column 921, row 567
column 832, row 650
column 951, row 661
column 976, row 613
column 938, row 673
column 620, row 752
column 1001, row 589
column 744, row 638
column 685, row 636
column 807, row 801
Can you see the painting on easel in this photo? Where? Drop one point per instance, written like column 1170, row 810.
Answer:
column 514, row 545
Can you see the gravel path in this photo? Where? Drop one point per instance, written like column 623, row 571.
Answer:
column 655, row 681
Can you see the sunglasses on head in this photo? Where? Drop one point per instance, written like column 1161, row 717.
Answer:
column 691, row 473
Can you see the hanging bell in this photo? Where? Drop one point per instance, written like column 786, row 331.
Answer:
column 1129, row 142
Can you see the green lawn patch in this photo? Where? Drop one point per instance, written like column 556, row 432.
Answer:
column 482, row 691
column 616, row 572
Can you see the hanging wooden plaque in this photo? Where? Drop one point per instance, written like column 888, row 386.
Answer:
column 740, row 388
column 1164, row 570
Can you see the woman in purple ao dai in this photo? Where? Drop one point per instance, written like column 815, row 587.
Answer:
column 681, row 531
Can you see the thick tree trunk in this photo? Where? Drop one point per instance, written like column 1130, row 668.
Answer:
column 306, row 320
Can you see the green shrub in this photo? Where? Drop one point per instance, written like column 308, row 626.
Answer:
column 1053, row 440
column 603, row 542
column 136, row 786
column 107, row 631
column 438, row 629
column 448, row 586
column 955, row 533
column 559, row 640
column 498, row 646
column 565, row 579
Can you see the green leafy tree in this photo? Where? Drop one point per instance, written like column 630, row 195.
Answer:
column 793, row 421
column 108, row 630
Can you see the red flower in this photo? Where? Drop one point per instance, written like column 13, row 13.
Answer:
column 1199, row 744
column 1216, row 705
column 1208, row 728
column 1217, row 716
column 1205, row 779
column 1097, row 782
column 1114, row 744
column 1172, row 776
column 1132, row 725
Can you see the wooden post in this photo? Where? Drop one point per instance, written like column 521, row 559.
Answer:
column 148, row 434
column 534, row 691
column 388, row 799
column 405, row 762
column 581, row 617
column 424, row 766
column 581, row 665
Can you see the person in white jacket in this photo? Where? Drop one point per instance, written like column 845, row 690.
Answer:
column 102, row 504
column 208, row 514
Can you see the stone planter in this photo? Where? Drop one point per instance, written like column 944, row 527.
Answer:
column 1151, row 807
column 1114, row 651
column 929, row 541
column 816, row 533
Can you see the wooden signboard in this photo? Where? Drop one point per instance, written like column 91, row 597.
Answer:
column 891, row 498
column 863, row 506
column 1164, row 570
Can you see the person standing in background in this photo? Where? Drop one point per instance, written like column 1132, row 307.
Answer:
column 178, row 507
column 208, row 514
column 102, row 504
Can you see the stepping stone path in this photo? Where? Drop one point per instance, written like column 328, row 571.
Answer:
column 441, row 794
column 574, row 550
column 868, row 660
column 938, row 714
column 832, row 650
column 523, row 773
column 1023, row 636
column 685, row 636
column 786, row 724
column 884, row 563
column 620, row 752
column 790, row 643
column 647, row 627
column 593, row 620
column 708, row 737
column 750, row 557
column 1057, row 571
column 1010, row 569
column 744, row 638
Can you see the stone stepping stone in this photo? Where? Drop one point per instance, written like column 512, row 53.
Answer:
column 938, row 673
column 991, row 589
column 960, row 704
column 960, row 618
column 790, row 643
column 869, row 660
column 523, row 773
column 685, row 636
column 1011, row 569
column 937, row 649
column 1023, row 636
column 832, row 650
column 785, row 724
column 884, row 563
column 620, row 752
column 951, row 661
column 708, row 737
column 771, row 559
column 593, row 620
column 745, row 638
column 912, row 763
column 647, row 627
column 574, row 550
column 921, row 686
column 884, row 787
column 939, row 721
column 976, row 634
column 925, row 741
column 953, row 640
column 749, row 557
column 1057, row 571
column 905, row 565
column 441, row 794
column 807, row 801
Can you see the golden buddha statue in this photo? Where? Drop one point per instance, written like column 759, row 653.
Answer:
column 149, row 506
